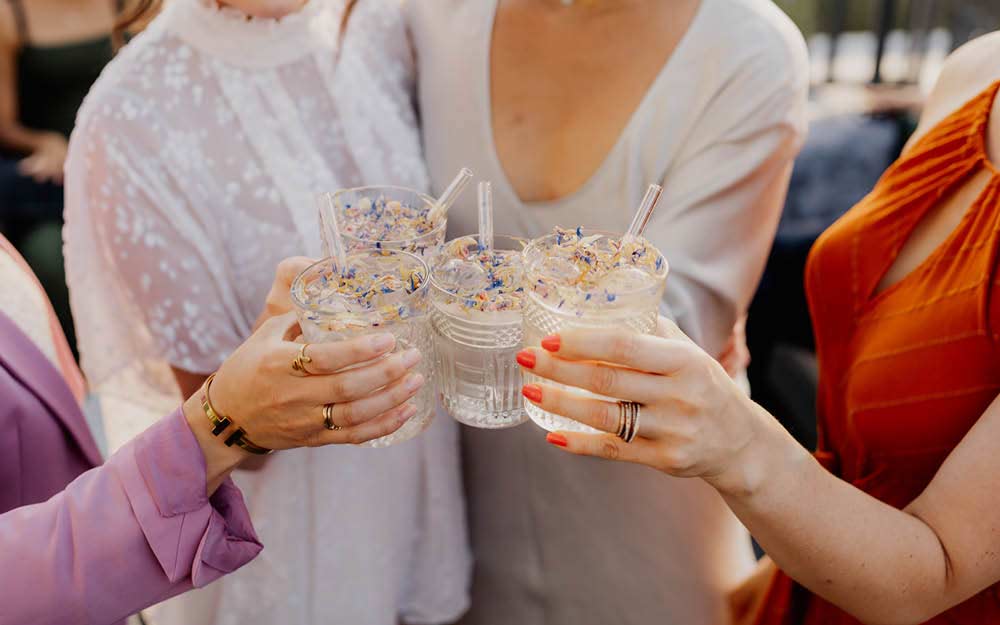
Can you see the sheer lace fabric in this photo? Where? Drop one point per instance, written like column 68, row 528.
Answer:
column 191, row 173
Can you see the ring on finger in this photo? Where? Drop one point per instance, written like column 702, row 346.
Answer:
column 301, row 360
column 628, row 420
column 328, row 418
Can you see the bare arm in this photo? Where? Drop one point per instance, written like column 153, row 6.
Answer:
column 883, row 565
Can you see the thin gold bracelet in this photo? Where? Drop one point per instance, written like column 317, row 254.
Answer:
column 220, row 423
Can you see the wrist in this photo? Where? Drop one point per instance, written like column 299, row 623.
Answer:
column 220, row 460
column 762, row 463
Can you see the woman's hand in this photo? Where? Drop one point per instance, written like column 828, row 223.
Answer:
column 45, row 163
column 694, row 420
column 281, row 408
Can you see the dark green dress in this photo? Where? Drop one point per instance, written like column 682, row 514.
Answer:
column 52, row 81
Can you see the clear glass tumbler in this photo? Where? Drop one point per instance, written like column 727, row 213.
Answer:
column 364, row 224
column 554, row 303
column 405, row 315
column 479, row 381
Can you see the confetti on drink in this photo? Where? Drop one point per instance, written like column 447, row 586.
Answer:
column 481, row 280
column 372, row 291
column 379, row 219
column 583, row 269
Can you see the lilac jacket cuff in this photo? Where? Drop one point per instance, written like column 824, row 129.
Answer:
column 194, row 538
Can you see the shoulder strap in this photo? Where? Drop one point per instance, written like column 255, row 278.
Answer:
column 20, row 20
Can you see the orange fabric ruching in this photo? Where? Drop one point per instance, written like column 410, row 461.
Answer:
column 905, row 373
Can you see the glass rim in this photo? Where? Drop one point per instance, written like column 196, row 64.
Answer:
column 658, row 280
column 299, row 279
column 423, row 196
column 440, row 257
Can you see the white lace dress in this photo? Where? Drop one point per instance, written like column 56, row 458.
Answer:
column 191, row 173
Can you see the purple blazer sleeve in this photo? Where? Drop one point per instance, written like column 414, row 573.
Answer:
column 123, row 536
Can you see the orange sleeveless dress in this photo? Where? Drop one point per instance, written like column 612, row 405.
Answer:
column 905, row 374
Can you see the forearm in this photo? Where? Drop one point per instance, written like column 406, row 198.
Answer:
column 14, row 136
column 879, row 563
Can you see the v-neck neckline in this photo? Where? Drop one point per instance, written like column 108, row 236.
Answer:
column 976, row 140
column 485, row 90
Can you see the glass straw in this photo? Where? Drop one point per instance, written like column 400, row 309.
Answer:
column 485, row 216
column 333, row 245
column 645, row 211
column 440, row 208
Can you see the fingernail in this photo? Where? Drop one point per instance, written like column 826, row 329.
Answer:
column 408, row 411
column 532, row 392
column 551, row 343
column 383, row 342
column 411, row 357
column 526, row 358
column 414, row 382
column 556, row 439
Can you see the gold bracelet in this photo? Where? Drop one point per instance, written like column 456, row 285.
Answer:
column 220, row 423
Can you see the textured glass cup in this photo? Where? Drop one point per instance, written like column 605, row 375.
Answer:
column 408, row 322
column 479, row 381
column 425, row 245
column 552, row 305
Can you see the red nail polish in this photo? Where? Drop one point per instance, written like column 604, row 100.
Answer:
column 526, row 358
column 532, row 392
column 557, row 439
column 551, row 343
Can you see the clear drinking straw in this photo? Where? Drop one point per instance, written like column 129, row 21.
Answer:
column 485, row 216
column 332, row 243
column 645, row 211
column 440, row 208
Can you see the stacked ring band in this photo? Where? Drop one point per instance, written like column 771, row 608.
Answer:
column 328, row 418
column 628, row 420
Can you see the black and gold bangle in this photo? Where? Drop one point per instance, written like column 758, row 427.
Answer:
column 220, row 423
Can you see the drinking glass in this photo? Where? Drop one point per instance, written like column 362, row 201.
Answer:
column 555, row 303
column 367, row 204
column 479, row 381
column 403, row 314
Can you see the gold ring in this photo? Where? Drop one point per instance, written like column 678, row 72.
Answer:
column 628, row 421
column 328, row 418
column 301, row 360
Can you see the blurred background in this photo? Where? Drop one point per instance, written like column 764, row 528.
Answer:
column 872, row 62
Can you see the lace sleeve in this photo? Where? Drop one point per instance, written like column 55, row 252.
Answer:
column 157, row 248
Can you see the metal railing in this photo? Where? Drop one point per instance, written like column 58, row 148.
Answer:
column 964, row 19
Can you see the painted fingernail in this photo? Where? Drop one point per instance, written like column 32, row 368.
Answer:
column 411, row 357
column 383, row 342
column 557, row 439
column 414, row 382
column 532, row 392
column 551, row 343
column 526, row 358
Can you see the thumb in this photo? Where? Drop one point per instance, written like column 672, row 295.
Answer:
column 667, row 329
column 282, row 327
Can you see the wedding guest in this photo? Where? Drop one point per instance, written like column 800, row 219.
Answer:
column 192, row 171
column 894, row 521
column 92, row 545
column 51, row 52
column 572, row 109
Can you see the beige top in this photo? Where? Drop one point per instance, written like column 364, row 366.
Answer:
column 560, row 539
